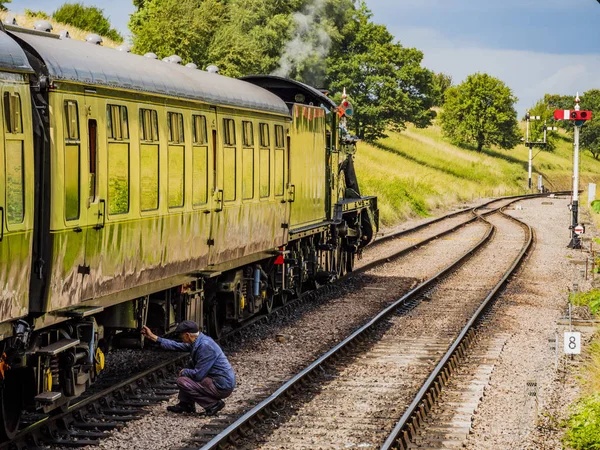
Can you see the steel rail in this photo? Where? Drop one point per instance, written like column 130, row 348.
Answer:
column 40, row 425
column 407, row 422
column 387, row 237
column 26, row 433
column 34, row 428
column 227, row 434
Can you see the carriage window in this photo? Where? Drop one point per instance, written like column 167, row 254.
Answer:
column 265, row 172
column 15, row 183
column 247, row 173
column 200, row 175
column 148, row 125
column 118, row 178
column 279, row 136
column 72, row 160
column 279, row 171
column 175, row 124
column 149, row 177
column 200, row 136
column 229, row 131
column 117, row 122
column 229, row 176
column 265, row 140
column 248, row 138
column 12, row 113
column 176, row 176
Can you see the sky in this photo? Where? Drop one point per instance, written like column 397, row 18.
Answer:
column 534, row 46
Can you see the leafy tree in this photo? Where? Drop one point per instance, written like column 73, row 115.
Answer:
column 441, row 82
column 589, row 138
column 386, row 80
column 182, row 27
column 251, row 37
column 87, row 18
column 3, row 3
column 481, row 111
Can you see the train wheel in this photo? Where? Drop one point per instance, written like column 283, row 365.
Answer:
column 11, row 400
column 214, row 323
column 283, row 298
column 350, row 259
column 341, row 260
column 268, row 303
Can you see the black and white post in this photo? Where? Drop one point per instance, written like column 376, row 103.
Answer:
column 531, row 143
column 575, row 237
column 579, row 117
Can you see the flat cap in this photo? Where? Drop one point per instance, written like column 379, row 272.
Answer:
column 187, row 326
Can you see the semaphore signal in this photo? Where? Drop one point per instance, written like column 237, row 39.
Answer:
column 578, row 117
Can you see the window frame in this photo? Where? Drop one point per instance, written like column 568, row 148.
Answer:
column 201, row 120
column 229, row 132
column 72, row 137
column 149, row 128
column 117, row 133
column 12, row 115
column 179, row 128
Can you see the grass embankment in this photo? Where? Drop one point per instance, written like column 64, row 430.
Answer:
column 583, row 426
column 75, row 33
column 418, row 170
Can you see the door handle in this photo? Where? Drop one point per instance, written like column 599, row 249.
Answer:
column 102, row 215
column 220, row 200
column 2, row 224
column 292, row 193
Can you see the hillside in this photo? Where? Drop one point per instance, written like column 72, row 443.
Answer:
column 418, row 170
column 75, row 33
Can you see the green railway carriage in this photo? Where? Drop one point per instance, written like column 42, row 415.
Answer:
column 16, row 184
column 150, row 193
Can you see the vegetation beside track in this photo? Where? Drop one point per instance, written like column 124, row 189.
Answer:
column 418, row 171
column 583, row 426
column 75, row 33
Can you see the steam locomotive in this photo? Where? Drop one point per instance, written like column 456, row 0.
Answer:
column 134, row 191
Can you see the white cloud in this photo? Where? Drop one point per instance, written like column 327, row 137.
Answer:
column 529, row 74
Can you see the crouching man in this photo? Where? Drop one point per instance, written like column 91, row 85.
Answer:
column 210, row 378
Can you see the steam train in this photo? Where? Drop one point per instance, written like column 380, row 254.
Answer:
column 134, row 191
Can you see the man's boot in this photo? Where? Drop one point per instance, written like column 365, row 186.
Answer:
column 213, row 409
column 182, row 407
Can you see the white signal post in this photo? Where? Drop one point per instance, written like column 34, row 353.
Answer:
column 578, row 117
column 531, row 144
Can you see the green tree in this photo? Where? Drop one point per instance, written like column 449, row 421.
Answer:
column 87, row 18
column 589, row 138
column 3, row 3
column 481, row 111
column 441, row 82
column 183, row 27
column 251, row 36
column 386, row 80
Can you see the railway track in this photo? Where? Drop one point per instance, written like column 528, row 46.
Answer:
column 350, row 395
column 103, row 410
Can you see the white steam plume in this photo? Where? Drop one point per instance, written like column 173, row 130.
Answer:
column 309, row 40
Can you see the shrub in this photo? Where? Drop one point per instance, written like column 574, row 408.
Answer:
column 87, row 18
column 583, row 431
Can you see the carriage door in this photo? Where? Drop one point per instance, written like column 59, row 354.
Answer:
column 95, row 202
column 228, row 239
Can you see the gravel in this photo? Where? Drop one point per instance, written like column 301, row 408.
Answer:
column 357, row 405
column 508, row 417
column 269, row 356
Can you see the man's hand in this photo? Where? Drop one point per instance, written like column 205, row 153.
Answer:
column 149, row 334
